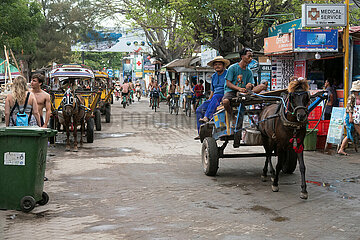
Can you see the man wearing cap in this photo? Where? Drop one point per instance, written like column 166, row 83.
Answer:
column 239, row 78
column 206, row 110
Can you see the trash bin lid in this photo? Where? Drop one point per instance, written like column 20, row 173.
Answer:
column 27, row 131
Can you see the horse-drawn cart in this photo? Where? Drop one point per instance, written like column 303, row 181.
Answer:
column 248, row 133
column 103, row 83
column 72, row 84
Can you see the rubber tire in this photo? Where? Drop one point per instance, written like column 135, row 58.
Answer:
column 112, row 99
column 210, row 156
column 176, row 109
column 155, row 104
column 97, row 120
column 27, row 204
column 290, row 162
column 189, row 110
column 44, row 200
column 107, row 113
column 90, row 130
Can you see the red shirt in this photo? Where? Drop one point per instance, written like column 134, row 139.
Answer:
column 199, row 89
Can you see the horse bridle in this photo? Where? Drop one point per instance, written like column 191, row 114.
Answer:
column 68, row 99
column 295, row 109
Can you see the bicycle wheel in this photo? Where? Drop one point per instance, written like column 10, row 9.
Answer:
column 155, row 104
column 177, row 108
column 189, row 109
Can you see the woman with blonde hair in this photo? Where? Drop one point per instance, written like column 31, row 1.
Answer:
column 15, row 101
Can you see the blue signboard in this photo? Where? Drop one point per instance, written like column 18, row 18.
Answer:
column 110, row 73
column 316, row 40
column 284, row 28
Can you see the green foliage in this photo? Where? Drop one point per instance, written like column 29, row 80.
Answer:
column 19, row 21
column 66, row 21
column 226, row 24
column 167, row 31
column 99, row 60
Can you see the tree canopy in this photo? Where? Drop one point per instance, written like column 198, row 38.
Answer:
column 19, row 21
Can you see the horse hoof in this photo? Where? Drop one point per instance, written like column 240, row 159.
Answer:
column 304, row 196
column 272, row 179
column 263, row 178
column 67, row 148
column 75, row 149
column 275, row 188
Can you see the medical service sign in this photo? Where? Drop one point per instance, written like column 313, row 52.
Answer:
column 323, row 15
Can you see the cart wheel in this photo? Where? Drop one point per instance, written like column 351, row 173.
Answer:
column 44, row 200
column 210, row 156
column 98, row 120
column 107, row 113
column 27, row 204
column 289, row 164
column 90, row 130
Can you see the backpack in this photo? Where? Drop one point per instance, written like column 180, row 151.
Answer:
column 22, row 119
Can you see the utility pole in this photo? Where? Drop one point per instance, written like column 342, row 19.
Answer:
column 346, row 43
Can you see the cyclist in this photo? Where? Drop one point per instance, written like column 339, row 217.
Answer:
column 138, row 87
column 155, row 91
column 125, row 89
column 173, row 88
column 150, row 87
column 186, row 91
column 199, row 93
column 131, row 88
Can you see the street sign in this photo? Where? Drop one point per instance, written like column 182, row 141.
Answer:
column 110, row 72
column 323, row 15
column 287, row 27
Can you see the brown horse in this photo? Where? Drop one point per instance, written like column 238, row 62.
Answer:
column 73, row 113
column 283, row 128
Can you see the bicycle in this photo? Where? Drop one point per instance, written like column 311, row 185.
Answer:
column 124, row 101
column 188, row 105
column 174, row 103
column 154, row 100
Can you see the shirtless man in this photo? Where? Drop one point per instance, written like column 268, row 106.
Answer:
column 42, row 98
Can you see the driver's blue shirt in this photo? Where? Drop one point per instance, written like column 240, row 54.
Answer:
column 217, row 83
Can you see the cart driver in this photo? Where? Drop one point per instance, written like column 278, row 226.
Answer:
column 42, row 98
column 239, row 78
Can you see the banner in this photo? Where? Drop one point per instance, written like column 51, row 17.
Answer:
column 316, row 40
column 336, row 127
column 300, row 68
column 278, row 44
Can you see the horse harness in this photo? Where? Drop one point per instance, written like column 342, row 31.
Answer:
column 280, row 112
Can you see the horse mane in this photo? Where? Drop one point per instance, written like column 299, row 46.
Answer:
column 295, row 84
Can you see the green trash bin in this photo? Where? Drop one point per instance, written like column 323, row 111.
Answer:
column 22, row 167
column 310, row 140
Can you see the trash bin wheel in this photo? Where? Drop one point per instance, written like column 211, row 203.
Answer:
column 90, row 130
column 27, row 204
column 210, row 156
column 107, row 113
column 44, row 200
column 97, row 120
